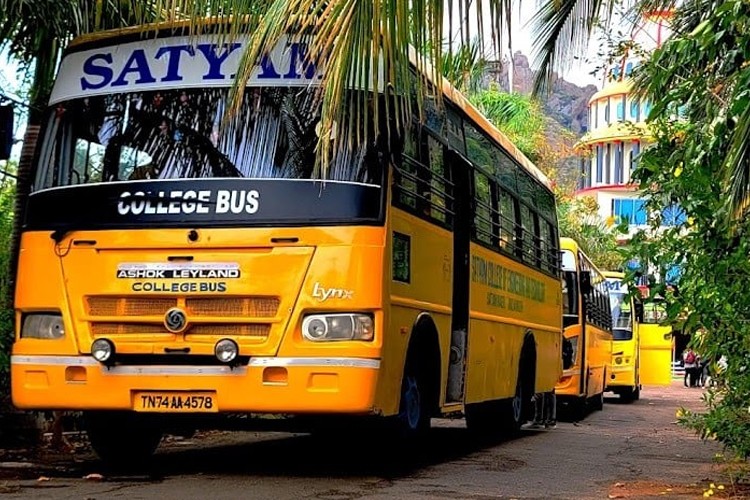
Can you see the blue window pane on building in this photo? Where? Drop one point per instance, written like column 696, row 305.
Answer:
column 646, row 109
column 628, row 69
column 622, row 209
column 606, row 112
column 635, row 110
column 639, row 212
column 619, row 176
column 608, row 164
column 636, row 150
column 632, row 211
column 621, row 111
column 599, row 163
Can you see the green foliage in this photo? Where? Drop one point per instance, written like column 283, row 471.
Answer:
column 464, row 67
column 518, row 116
column 579, row 219
column 7, row 193
column 702, row 74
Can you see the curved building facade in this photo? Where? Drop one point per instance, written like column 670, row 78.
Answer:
column 617, row 134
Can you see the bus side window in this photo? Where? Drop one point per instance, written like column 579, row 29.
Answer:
column 507, row 208
column 527, row 235
column 538, row 241
column 439, row 188
column 482, row 204
column 406, row 175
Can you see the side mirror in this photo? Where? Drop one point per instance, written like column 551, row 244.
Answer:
column 6, row 131
column 585, row 282
column 638, row 308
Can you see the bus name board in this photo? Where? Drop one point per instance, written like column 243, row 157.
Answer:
column 616, row 285
column 179, row 62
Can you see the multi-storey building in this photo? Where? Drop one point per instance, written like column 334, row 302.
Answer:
column 616, row 136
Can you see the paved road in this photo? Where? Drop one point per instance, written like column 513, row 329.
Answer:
column 626, row 451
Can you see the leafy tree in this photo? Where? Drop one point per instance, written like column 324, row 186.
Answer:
column 699, row 83
column 579, row 219
column 518, row 116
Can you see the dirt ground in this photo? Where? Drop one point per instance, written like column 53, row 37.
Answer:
column 626, row 451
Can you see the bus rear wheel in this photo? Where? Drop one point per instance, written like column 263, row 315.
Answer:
column 123, row 440
column 631, row 394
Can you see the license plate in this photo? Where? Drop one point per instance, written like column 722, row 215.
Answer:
column 175, row 402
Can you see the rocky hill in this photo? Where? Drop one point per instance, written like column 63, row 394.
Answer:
column 566, row 103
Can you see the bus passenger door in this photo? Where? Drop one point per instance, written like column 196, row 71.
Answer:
column 460, row 174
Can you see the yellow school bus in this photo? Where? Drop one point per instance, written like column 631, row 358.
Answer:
column 656, row 341
column 624, row 378
column 179, row 259
column 587, row 322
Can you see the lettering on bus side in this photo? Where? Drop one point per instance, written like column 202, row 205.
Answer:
column 502, row 279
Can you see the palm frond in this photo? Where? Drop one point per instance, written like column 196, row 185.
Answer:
column 562, row 30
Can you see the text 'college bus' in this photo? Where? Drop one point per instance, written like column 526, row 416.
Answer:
column 587, row 323
column 624, row 379
column 176, row 259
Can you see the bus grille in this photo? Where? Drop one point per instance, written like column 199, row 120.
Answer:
column 256, row 330
column 138, row 315
column 253, row 307
column 130, row 306
column 231, row 307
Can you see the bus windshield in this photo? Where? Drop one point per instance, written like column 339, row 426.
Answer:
column 622, row 321
column 190, row 133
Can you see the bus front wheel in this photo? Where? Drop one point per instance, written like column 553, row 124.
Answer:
column 414, row 411
column 124, row 440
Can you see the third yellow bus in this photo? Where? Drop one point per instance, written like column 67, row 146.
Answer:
column 625, row 377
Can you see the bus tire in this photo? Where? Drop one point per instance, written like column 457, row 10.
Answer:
column 598, row 401
column 578, row 408
column 631, row 394
column 515, row 411
column 123, row 440
column 419, row 385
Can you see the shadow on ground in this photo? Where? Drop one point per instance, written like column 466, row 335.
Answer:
column 256, row 454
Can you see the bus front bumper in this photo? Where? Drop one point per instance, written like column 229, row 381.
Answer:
column 265, row 385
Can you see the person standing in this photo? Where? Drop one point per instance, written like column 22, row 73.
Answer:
column 690, row 362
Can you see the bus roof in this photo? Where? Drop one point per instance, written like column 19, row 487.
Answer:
column 449, row 91
column 569, row 244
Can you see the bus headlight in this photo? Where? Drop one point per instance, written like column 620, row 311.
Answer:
column 618, row 360
column 226, row 350
column 323, row 327
column 42, row 326
column 102, row 350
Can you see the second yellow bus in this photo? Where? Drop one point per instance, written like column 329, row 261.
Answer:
column 587, row 323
